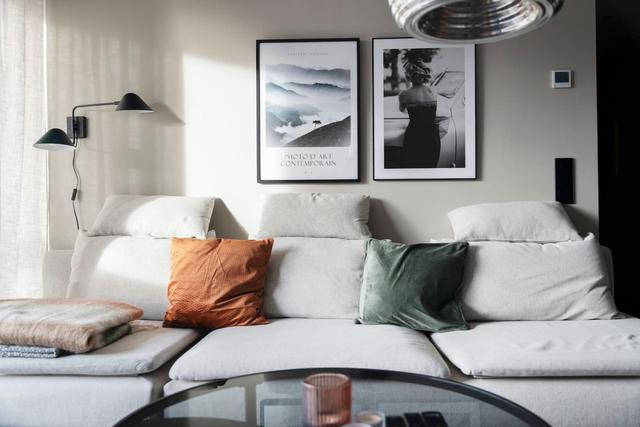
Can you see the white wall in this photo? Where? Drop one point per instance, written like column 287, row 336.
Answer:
column 194, row 61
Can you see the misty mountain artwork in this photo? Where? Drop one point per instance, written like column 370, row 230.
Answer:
column 308, row 107
column 307, row 115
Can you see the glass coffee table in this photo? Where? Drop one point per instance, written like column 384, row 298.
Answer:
column 274, row 399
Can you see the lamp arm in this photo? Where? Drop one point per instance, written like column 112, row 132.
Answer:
column 74, row 193
column 100, row 104
column 73, row 116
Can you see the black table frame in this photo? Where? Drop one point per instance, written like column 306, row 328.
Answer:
column 369, row 374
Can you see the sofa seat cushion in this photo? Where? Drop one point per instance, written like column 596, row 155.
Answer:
column 137, row 353
column 545, row 349
column 308, row 343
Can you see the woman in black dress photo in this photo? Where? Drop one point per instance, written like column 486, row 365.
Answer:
column 421, row 146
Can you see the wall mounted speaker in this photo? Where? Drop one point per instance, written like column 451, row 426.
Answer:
column 565, row 181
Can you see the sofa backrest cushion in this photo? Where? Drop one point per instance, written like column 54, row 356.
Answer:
column 314, row 278
column 131, row 269
column 533, row 281
column 154, row 216
column 343, row 216
column 56, row 269
column 530, row 221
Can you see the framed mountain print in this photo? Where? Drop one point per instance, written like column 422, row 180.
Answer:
column 423, row 110
column 308, row 110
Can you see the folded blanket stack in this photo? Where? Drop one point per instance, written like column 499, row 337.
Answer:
column 47, row 328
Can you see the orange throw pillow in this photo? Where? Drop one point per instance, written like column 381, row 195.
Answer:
column 217, row 283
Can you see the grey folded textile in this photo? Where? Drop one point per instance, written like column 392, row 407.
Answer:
column 35, row 352
column 73, row 325
column 28, row 351
column 110, row 335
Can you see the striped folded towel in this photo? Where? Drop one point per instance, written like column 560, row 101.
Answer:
column 30, row 351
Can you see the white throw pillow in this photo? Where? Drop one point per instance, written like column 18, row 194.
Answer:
column 343, row 216
column 314, row 278
column 154, row 216
column 513, row 221
column 533, row 281
column 131, row 269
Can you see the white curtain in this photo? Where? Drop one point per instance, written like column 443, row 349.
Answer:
column 23, row 169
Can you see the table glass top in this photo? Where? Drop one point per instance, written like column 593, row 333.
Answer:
column 275, row 400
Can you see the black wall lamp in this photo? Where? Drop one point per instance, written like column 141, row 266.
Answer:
column 77, row 127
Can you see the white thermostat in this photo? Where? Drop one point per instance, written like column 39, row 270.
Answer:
column 562, row 79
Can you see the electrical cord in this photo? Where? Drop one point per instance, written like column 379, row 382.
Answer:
column 74, row 193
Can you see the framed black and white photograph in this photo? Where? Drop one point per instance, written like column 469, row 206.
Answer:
column 308, row 110
column 423, row 110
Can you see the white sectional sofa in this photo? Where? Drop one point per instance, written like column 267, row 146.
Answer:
column 124, row 256
column 571, row 372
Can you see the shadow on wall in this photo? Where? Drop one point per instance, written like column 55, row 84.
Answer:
column 584, row 222
column 97, row 60
column 99, row 52
column 225, row 224
column 163, row 115
column 381, row 223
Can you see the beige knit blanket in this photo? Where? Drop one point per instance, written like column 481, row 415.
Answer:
column 73, row 325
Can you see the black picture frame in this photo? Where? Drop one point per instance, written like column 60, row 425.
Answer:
column 354, row 160
column 377, row 106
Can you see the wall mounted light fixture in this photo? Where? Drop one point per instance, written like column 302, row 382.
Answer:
column 77, row 127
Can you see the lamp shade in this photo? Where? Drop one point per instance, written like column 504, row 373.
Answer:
column 132, row 102
column 54, row 139
column 467, row 21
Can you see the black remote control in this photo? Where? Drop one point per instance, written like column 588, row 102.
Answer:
column 395, row 421
column 433, row 419
column 414, row 419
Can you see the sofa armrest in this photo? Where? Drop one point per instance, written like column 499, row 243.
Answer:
column 56, row 269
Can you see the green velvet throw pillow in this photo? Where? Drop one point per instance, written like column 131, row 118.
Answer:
column 413, row 285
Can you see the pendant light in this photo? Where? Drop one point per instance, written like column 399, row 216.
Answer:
column 471, row 21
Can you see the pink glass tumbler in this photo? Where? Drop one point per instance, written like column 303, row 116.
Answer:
column 327, row 400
